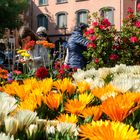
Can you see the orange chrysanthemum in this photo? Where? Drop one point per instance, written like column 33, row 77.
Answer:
column 74, row 106
column 108, row 131
column 67, row 118
column 94, row 111
column 45, row 44
column 105, row 92
column 120, row 107
column 53, row 100
column 83, row 86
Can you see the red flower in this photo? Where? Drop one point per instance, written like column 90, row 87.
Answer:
column 95, row 24
column 106, row 22
column 91, row 31
column 93, row 38
column 133, row 39
column 102, row 27
column 29, row 45
column 17, row 72
column 130, row 10
column 91, row 45
column 61, row 71
column 113, row 57
column 138, row 7
column 65, row 66
column 116, row 47
column 41, row 72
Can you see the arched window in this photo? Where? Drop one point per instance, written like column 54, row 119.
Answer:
column 42, row 20
column 82, row 16
column 43, row 2
column 61, row 1
column 108, row 12
column 61, row 19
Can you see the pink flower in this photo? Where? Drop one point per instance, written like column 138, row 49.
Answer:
column 93, row 38
column 138, row 7
column 133, row 39
column 130, row 10
column 137, row 24
column 95, row 24
column 96, row 60
column 17, row 72
column 113, row 57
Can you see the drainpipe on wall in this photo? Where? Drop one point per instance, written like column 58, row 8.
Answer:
column 120, row 14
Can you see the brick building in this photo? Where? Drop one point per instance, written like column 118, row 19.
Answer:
column 60, row 16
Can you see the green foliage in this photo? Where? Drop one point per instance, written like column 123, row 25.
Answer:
column 9, row 13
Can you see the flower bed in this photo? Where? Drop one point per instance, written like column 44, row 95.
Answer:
column 98, row 103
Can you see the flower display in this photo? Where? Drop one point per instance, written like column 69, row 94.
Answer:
column 29, row 45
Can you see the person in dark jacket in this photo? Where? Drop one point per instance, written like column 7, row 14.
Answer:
column 76, row 45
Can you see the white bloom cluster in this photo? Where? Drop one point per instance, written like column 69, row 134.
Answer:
column 125, row 78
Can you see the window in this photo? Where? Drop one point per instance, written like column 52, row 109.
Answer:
column 82, row 16
column 61, row 19
column 43, row 2
column 108, row 13
column 61, row 1
column 42, row 20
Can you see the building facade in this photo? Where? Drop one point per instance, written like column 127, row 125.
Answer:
column 60, row 16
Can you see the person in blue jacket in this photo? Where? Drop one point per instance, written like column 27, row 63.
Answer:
column 76, row 45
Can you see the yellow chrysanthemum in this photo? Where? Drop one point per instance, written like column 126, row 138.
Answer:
column 25, row 54
column 120, row 107
column 105, row 92
column 94, row 111
column 86, row 98
column 83, row 86
column 108, row 131
column 65, row 85
column 53, row 100
column 67, row 118
column 74, row 106
column 21, row 51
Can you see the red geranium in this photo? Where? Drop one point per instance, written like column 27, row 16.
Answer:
column 41, row 72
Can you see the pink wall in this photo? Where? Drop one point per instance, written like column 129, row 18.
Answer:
column 72, row 6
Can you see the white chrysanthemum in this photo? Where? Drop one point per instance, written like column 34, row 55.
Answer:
column 79, row 75
column 127, row 82
column 64, row 127
column 50, row 129
column 7, row 105
column 3, row 136
column 103, row 72
column 25, row 118
column 31, row 130
column 11, row 125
